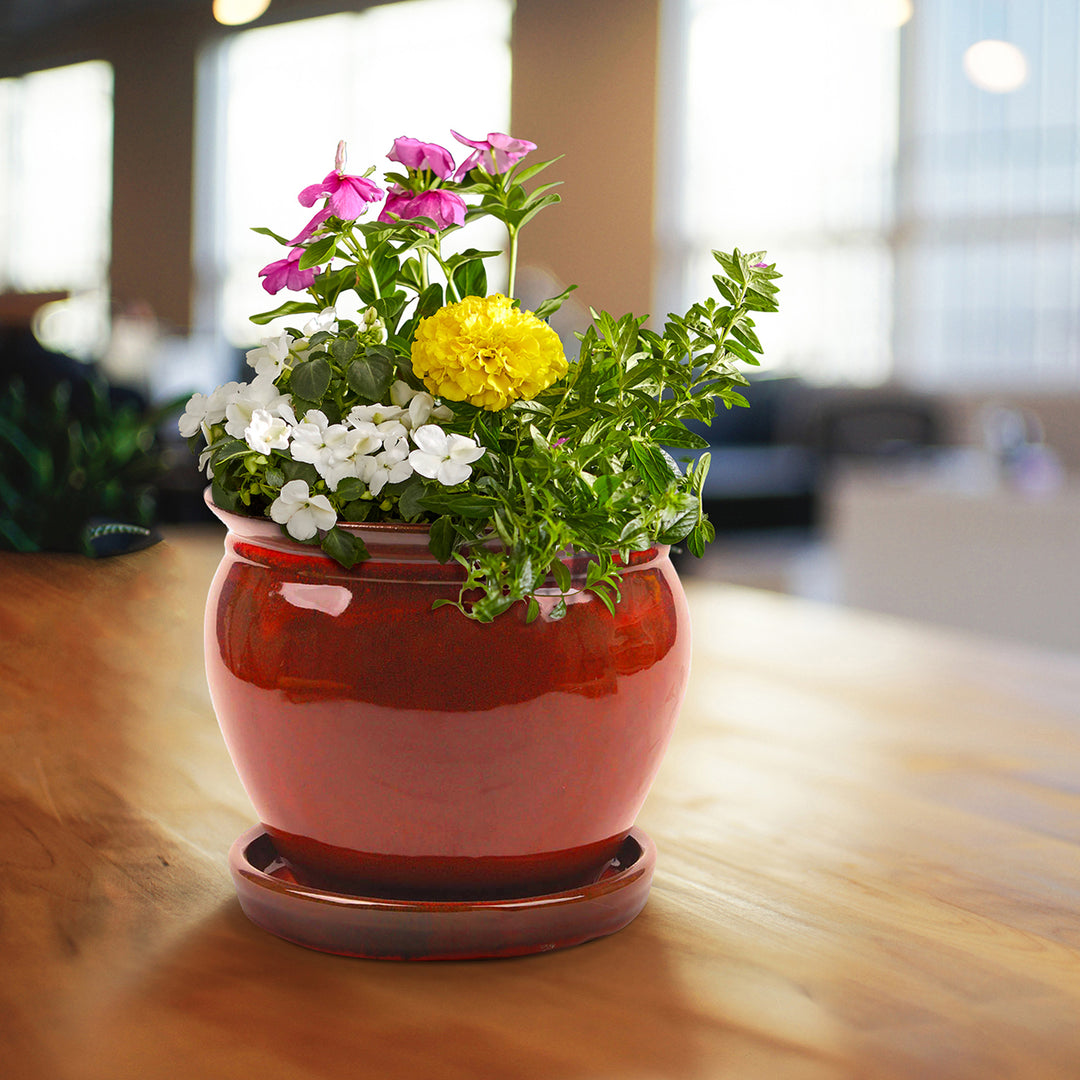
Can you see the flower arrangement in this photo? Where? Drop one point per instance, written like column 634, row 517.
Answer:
column 442, row 403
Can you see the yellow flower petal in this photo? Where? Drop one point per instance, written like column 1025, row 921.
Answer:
column 486, row 351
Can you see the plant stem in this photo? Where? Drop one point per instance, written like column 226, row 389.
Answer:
column 513, row 262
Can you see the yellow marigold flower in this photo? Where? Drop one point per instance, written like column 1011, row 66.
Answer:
column 486, row 351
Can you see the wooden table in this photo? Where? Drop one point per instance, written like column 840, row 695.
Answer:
column 869, row 866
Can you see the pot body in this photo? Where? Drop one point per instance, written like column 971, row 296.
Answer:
column 395, row 750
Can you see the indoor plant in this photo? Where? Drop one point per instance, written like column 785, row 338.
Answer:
column 446, row 645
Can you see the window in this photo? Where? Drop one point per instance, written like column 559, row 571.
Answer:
column 56, row 195
column 988, row 238
column 928, row 230
column 284, row 95
column 785, row 139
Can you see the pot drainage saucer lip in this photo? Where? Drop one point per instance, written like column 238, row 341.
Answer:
column 382, row 928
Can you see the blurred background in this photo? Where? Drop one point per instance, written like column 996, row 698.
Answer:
column 912, row 166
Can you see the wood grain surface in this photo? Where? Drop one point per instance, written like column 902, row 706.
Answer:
column 869, row 866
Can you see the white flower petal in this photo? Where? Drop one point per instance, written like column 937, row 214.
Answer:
column 401, row 471
column 425, row 464
column 296, row 491
column 420, row 409
column 453, row 472
column 322, row 512
column 318, row 418
column 301, row 524
column 281, row 510
column 463, row 449
column 431, row 439
column 194, row 412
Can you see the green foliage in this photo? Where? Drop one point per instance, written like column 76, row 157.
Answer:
column 582, row 467
column 61, row 466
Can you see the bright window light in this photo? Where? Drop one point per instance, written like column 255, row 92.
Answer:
column 56, row 194
column 789, row 137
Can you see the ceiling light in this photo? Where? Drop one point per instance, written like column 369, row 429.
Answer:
column 894, row 13
column 238, row 12
column 997, row 66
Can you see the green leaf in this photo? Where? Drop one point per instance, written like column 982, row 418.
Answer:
column 521, row 217
column 561, row 572
column 357, row 510
column 441, row 541
column 352, row 487
column 703, row 533
column 299, row 470
column 470, row 279
column 699, row 473
column 430, row 300
column 549, row 307
column 311, row 379
column 679, row 436
column 343, row 349
column 270, row 232
column 228, row 451
column 223, row 498
column 606, row 486
column 410, row 500
column 520, row 175
column 290, row 307
column 653, row 465
column 371, row 375
column 319, row 252
column 532, row 611
column 344, row 547
column 604, row 596
column 459, row 503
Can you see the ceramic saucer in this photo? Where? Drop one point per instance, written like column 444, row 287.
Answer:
column 378, row 927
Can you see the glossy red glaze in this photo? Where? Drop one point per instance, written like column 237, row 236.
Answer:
column 394, row 750
column 382, row 929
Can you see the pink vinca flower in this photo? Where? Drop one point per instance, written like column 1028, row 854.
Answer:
column 496, row 153
column 419, row 156
column 443, row 207
column 347, row 196
column 286, row 273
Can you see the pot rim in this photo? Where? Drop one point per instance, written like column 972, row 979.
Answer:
column 391, row 540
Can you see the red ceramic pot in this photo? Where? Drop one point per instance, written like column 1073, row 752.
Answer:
column 393, row 750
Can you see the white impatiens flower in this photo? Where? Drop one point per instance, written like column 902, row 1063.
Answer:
column 374, row 414
column 272, row 356
column 333, row 448
column 442, row 457
column 203, row 410
column 325, row 320
column 267, row 432
column 307, row 437
column 302, row 513
column 260, row 393
column 418, row 406
column 366, row 438
column 393, row 433
column 388, row 467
